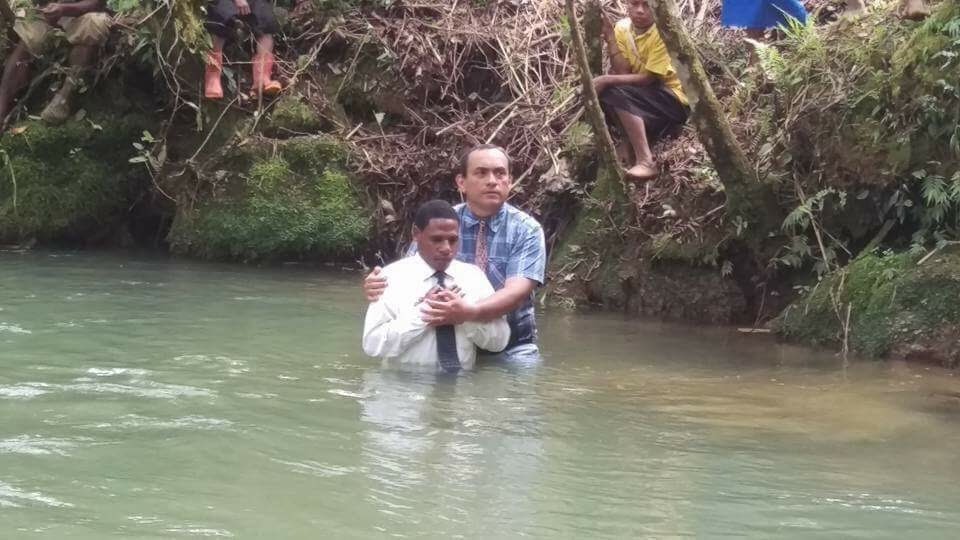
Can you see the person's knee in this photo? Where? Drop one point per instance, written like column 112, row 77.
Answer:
column 33, row 36
column 90, row 29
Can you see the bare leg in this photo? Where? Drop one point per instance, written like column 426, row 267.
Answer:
column 757, row 37
column 58, row 110
column 854, row 8
column 15, row 76
column 263, row 68
column 644, row 166
column 265, row 44
column 915, row 10
column 213, row 70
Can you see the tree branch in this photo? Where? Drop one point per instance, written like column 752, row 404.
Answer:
column 7, row 19
column 591, row 102
column 747, row 197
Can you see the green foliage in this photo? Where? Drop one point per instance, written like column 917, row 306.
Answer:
column 189, row 18
column 121, row 6
column 295, row 204
column 69, row 181
column 870, row 108
column 892, row 298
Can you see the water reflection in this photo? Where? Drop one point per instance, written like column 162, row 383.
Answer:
column 437, row 448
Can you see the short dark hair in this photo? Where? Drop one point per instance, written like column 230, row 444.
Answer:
column 435, row 209
column 465, row 157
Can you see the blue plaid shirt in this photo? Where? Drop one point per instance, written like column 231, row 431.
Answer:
column 516, row 248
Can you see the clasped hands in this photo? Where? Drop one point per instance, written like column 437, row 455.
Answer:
column 442, row 307
column 439, row 307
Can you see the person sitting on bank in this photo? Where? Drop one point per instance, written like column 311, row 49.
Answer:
column 259, row 16
column 643, row 92
column 86, row 26
column 394, row 329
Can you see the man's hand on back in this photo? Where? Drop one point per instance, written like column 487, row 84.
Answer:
column 374, row 285
column 243, row 8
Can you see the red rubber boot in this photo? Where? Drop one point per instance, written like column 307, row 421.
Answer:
column 262, row 83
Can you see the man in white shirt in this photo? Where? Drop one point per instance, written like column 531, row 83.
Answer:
column 394, row 329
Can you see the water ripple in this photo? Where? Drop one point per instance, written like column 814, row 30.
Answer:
column 12, row 497
column 144, row 389
column 200, row 531
column 13, row 328
column 36, row 446
column 137, row 422
column 23, row 391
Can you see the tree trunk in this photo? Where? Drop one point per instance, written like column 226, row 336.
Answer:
column 747, row 198
column 7, row 18
column 591, row 101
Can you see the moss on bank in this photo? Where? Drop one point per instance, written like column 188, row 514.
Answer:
column 292, row 116
column 897, row 306
column 280, row 200
column 71, row 182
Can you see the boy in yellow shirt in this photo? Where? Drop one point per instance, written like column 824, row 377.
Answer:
column 643, row 91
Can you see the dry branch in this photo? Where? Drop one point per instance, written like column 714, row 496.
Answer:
column 592, row 101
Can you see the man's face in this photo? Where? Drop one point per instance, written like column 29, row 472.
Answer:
column 437, row 242
column 640, row 14
column 487, row 182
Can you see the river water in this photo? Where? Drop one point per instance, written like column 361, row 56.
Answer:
column 145, row 398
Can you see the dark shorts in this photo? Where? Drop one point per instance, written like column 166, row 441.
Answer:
column 222, row 15
column 659, row 107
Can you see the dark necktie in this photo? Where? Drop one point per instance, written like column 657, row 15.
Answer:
column 447, row 341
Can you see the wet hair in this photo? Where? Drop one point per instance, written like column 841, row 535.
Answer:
column 435, row 209
column 465, row 157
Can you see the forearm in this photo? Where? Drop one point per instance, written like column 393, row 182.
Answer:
column 391, row 338
column 82, row 7
column 490, row 336
column 504, row 301
column 618, row 63
column 389, row 332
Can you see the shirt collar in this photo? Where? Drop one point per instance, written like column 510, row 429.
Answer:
column 493, row 222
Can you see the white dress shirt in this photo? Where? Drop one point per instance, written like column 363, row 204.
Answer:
column 394, row 330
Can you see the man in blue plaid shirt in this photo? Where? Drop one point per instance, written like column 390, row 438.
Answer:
column 505, row 242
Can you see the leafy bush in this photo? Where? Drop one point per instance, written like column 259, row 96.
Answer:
column 68, row 181
column 298, row 203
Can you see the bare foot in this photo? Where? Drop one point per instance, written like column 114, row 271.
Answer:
column 643, row 171
column 914, row 10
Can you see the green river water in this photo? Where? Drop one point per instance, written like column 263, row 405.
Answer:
column 143, row 398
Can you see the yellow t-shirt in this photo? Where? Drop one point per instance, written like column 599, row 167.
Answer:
column 647, row 52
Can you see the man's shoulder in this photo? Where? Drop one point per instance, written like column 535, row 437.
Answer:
column 466, row 269
column 399, row 266
column 469, row 272
column 522, row 220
